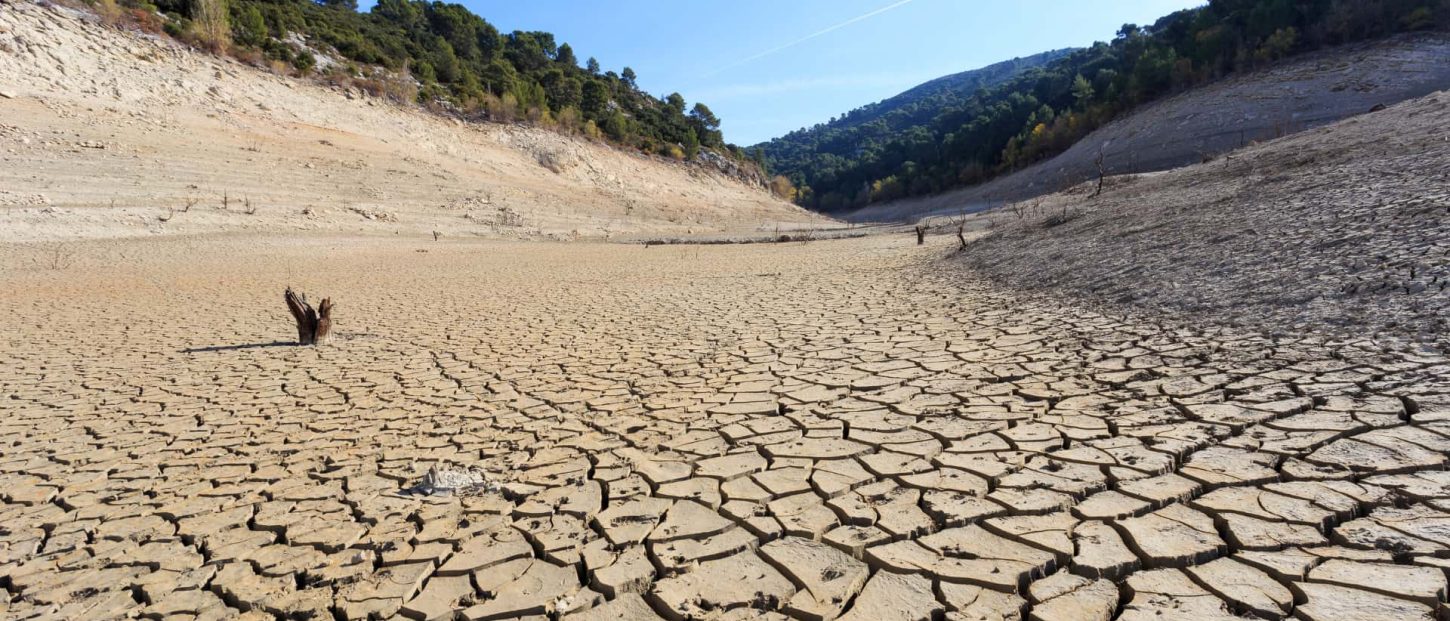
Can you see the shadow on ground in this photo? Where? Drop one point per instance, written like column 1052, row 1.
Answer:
column 197, row 350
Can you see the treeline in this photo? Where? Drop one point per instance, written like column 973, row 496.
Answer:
column 878, row 123
column 442, row 55
column 1042, row 111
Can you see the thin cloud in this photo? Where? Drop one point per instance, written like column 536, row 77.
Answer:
column 808, row 37
column 738, row 91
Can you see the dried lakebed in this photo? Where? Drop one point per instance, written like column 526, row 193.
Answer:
column 845, row 429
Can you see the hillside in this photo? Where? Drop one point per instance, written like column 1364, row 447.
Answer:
column 1344, row 229
column 1291, row 96
column 109, row 133
column 439, row 54
column 1043, row 111
column 880, row 122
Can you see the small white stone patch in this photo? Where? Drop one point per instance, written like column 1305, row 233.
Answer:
column 451, row 481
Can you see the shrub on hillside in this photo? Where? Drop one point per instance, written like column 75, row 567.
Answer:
column 211, row 26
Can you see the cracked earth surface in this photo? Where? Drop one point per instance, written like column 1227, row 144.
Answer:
column 834, row 430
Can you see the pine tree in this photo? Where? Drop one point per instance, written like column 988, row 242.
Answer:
column 251, row 28
column 692, row 144
column 1082, row 92
column 566, row 56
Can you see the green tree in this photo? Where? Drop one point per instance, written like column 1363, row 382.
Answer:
column 592, row 66
column 616, row 126
column 1082, row 92
column 304, row 61
column 464, row 31
column 445, row 62
column 404, row 13
column 676, row 103
column 1421, row 18
column 692, row 144
column 566, row 56
column 706, row 125
column 1154, row 73
column 1278, row 45
column 423, row 72
column 594, row 98
column 250, row 27
column 628, row 75
column 529, row 52
column 561, row 89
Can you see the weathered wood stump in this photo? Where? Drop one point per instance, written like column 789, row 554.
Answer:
column 313, row 326
column 920, row 235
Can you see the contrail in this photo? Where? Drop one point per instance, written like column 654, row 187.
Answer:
column 808, row 37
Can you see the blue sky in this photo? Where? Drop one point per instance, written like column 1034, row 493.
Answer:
column 752, row 62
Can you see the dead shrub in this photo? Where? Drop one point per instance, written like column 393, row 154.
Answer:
column 210, row 25
column 569, row 121
column 146, row 21
column 55, row 257
column 109, row 12
column 249, row 56
column 396, row 89
column 1060, row 218
column 549, row 160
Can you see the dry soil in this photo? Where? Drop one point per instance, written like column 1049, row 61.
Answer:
column 808, row 431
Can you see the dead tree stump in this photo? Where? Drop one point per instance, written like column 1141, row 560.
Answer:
column 920, row 235
column 313, row 326
column 1102, row 172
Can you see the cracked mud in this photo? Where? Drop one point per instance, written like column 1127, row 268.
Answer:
column 834, row 430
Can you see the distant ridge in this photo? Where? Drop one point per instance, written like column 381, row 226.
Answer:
column 935, row 140
column 915, row 106
column 922, row 101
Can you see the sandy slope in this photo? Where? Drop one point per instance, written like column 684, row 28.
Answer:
column 104, row 133
column 1345, row 228
column 1298, row 94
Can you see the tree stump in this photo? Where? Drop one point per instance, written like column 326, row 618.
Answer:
column 1102, row 173
column 313, row 326
column 920, row 235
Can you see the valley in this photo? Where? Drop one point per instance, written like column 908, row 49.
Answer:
column 573, row 376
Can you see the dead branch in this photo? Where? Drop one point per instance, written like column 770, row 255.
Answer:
column 1102, row 172
column 313, row 326
column 58, row 257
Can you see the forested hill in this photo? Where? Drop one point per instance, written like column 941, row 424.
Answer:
column 437, row 54
column 1040, row 110
column 917, row 106
column 827, row 145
